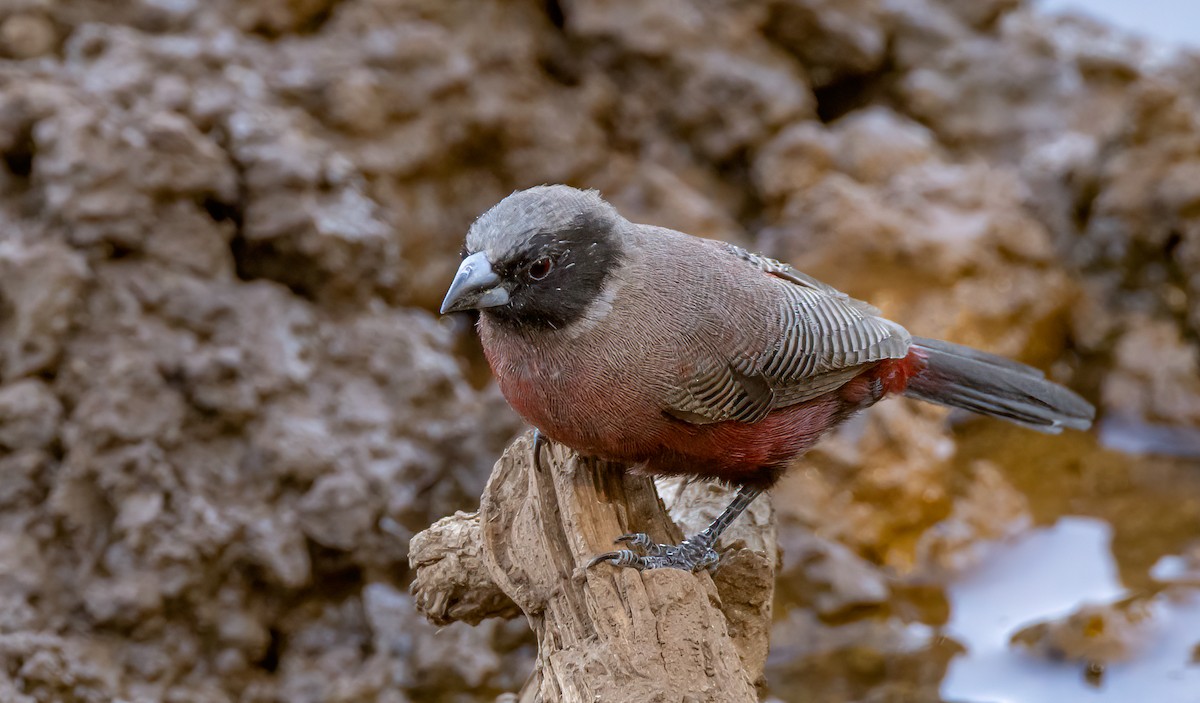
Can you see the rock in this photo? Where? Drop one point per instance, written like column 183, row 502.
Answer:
column 278, row 545
column 834, row 40
column 876, row 144
column 1157, row 374
column 29, row 415
column 1094, row 634
column 338, row 510
column 767, row 90
column 829, row 578
column 880, row 657
column 25, row 36
column 991, row 510
column 40, row 286
column 80, row 151
column 274, row 17
column 23, row 475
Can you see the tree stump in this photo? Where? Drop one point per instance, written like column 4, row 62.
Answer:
column 605, row 633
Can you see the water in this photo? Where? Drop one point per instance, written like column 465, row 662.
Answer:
column 1103, row 526
column 1049, row 573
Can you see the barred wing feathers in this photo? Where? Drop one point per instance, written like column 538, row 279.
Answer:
column 819, row 339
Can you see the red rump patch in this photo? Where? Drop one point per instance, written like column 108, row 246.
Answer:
column 894, row 374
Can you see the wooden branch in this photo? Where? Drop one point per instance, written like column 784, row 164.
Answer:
column 749, row 560
column 603, row 633
column 451, row 584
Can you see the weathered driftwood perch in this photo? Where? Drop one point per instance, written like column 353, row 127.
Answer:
column 604, row 634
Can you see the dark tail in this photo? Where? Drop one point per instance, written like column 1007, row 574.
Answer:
column 962, row 377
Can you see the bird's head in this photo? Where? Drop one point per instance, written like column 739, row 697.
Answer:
column 539, row 258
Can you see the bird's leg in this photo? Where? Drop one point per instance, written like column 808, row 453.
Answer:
column 693, row 553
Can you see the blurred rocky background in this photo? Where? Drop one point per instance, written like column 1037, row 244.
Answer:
column 227, row 403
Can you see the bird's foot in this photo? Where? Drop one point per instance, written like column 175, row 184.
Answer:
column 690, row 555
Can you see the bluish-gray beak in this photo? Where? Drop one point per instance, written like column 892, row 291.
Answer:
column 475, row 286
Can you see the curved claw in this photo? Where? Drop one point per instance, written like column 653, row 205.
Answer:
column 539, row 441
column 634, row 539
column 641, row 541
column 621, row 557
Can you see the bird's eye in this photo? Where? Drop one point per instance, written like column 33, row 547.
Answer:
column 541, row 268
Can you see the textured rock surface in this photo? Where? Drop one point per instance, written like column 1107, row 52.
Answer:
column 226, row 406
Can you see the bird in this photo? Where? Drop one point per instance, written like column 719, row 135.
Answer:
column 680, row 355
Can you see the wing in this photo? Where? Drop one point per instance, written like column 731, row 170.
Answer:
column 819, row 340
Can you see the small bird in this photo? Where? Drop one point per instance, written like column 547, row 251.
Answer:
column 691, row 356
